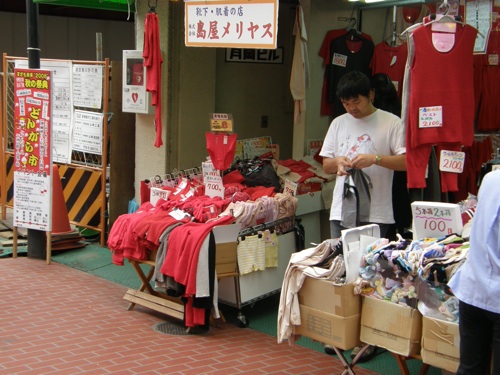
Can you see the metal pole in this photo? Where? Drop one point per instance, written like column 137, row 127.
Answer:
column 37, row 241
column 98, row 46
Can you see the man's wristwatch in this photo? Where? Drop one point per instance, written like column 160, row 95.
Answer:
column 377, row 159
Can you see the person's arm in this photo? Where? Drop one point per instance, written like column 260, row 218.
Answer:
column 393, row 162
column 337, row 165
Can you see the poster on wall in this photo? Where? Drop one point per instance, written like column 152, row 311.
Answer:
column 478, row 15
column 231, row 24
column 62, row 107
column 32, row 149
column 87, row 132
column 87, row 86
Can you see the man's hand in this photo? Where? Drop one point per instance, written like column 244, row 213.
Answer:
column 344, row 166
column 361, row 161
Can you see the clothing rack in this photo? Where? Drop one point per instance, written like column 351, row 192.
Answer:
column 173, row 178
column 281, row 226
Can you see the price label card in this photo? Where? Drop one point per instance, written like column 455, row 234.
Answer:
column 290, row 188
column 452, row 161
column 493, row 59
column 222, row 122
column 340, row 60
column 214, row 186
column 156, row 194
column 435, row 219
column 430, row 117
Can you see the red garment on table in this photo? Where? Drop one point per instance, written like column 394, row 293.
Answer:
column 221, row 148
column 183, row 249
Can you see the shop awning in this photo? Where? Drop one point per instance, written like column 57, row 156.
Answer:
column 115, row 5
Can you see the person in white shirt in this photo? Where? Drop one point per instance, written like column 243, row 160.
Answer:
column 364, row 138
column 477, row 285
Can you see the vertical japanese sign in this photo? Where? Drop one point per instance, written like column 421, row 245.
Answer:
column 32, row 149
column 232, row 24
column 62, row 107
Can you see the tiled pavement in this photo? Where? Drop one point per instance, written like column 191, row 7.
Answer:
column 55, row 319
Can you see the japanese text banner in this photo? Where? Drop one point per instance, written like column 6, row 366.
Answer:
column 231, row 24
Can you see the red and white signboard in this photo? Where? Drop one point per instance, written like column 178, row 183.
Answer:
column 32, row 149
column 232, row 24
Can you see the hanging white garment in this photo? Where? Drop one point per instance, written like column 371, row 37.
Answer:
column 299, row 79
column 302, row 264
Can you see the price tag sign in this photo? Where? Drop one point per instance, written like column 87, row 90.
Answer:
column 435, row 219
column 290, row 188
column 214, row 186
column 452, row 161
column 340, row 60
column 156, row 194
column 430, row 117
column 221, row 122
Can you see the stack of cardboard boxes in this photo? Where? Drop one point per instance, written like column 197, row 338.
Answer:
column 329, row 313
column 333, row 315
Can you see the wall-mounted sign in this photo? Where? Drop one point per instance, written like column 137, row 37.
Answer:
column 236, row 23
column 135, row 97
column 262, row 56
column 478, row 15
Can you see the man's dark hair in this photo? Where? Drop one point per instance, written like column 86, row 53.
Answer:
column 386, row 97
column 352, row 85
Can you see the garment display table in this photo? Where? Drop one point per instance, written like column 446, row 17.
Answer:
column 403, row 368
column 348, row 366
column 225, row 267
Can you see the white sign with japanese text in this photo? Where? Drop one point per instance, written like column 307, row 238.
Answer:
column 232, row 24
column 435, row 219
column 87, row 132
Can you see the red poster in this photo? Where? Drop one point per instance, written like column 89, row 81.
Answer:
column 32, row 149
column 32, row 121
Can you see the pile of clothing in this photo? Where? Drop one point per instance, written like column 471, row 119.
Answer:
column 413, row 273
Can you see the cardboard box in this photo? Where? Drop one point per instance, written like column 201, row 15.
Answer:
column 340, row 332
column 332, row 299
column 395, row 327
column 440, row 343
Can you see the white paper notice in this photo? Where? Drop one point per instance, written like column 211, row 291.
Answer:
column 87, row 85
column 87, row 132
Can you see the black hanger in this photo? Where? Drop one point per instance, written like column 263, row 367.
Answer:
column 152, row 8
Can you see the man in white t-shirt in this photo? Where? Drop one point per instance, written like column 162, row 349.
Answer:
column 364, row 138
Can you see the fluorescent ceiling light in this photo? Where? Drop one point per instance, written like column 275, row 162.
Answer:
column 372, row 1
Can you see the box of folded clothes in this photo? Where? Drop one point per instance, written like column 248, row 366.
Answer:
column 322, row 295
column 440, row 343
column 329, row 313
column 392, row 326
column 330, row 329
